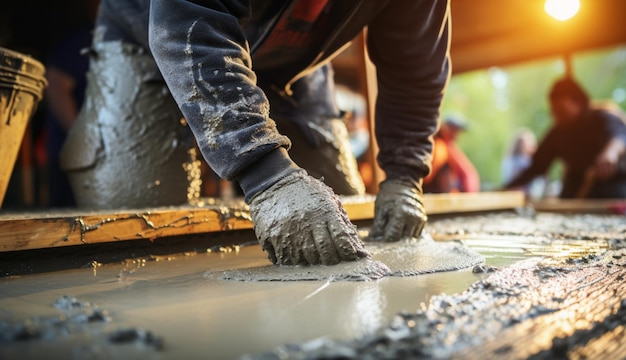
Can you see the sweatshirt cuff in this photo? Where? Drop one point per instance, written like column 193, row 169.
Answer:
column 265, row 172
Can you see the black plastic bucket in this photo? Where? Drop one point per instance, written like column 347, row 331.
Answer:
column 22, row 81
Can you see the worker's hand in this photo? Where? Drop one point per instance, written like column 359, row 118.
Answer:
column 398, row 211
column 606, row 164
column 300, row 221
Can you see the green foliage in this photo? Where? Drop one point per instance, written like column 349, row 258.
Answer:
column 497, row 102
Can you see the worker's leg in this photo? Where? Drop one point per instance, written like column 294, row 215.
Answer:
column 318, row 133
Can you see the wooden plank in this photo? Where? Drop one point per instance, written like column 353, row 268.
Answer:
column 469, row 202
column 38, row 231
column 570, row 310
column 32, row 232
column 362, row 207
column 581, row 205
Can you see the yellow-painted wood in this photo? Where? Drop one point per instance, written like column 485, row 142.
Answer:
column 580, row 205
column 53, row 230
column 38, row 231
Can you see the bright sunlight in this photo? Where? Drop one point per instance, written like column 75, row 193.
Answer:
column 562, row 9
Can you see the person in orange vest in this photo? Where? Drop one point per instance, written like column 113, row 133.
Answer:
column 452, row 170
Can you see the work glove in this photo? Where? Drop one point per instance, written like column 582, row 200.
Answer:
column 398, row 211
column 301, row 221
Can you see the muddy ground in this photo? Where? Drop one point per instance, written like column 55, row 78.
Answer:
column 550, row 286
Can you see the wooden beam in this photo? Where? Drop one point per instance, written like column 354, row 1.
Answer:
column 38, row 231
column 54, row 230
column 617, row 206
column 497, row 32
column 368, row 71
column 472, row 202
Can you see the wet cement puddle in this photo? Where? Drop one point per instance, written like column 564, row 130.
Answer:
column 538, row 269
column 534, row 309
column 409, row 257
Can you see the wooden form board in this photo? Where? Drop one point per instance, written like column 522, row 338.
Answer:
column 617, row 206
column 38, row 231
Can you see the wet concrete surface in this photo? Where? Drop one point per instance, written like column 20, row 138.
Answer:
column 541, row 276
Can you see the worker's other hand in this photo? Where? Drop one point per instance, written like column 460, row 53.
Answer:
column 301, row 221
column 606, row 164
column 610, row 161
column 398, row 211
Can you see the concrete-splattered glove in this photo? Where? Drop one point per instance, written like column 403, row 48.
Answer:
column 300, row 221
column 398, row 211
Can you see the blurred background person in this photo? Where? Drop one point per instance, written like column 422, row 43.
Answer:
column 518, row 158
column 589, row 138
column 452, row 170
column 354, row 108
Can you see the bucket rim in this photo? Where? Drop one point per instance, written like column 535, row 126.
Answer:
column 9, row 70
column 8, row 56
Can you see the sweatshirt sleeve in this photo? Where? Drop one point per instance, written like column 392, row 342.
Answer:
column 205, row 60
column 409, row 45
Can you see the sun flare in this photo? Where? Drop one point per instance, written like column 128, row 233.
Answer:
column 562, row 9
